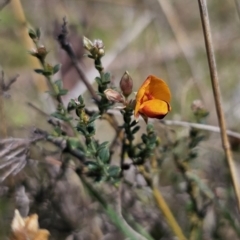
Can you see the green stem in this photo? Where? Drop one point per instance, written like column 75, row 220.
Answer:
column 57, row 97
column 112, row 214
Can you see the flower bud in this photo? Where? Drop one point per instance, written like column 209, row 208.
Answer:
column 197, row 105
column 40, row 52
column 99, row 47
column 113, row 95
column 87, row 44
column 199, row 109
column 101, row 52
column 98, row 43
column 126, row 84
column 33, row 52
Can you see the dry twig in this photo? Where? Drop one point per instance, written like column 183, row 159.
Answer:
column 200, row 126
column 66, row 46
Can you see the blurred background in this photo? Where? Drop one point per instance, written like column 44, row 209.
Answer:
column 143, row 37
column 160, row 37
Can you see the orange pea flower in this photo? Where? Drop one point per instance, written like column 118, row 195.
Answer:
column 153, row 99
column 27, row 228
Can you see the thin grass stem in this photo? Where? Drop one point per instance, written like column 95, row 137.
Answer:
column 217, row 94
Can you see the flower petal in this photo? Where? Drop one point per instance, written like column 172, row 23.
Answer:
column 42, row 234
column 17, row 223
column 153, row 88
column 155, row 108
column 159, row 89
column 140, row 94
column 32, row 223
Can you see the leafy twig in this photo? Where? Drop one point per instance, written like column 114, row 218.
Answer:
column 128, row 36
column 62, row 143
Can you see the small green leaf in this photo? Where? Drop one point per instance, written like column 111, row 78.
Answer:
column 58, row 83
column 71, row 106
column 107, row 77
column 135, row 129
column 80, row 99
column 32, row 34
column 133, row 123
column 114, row 171
column 43, row 72
column 144, row 138
column 152, row 140
column 150, row 128
column 56, row 68
column 63, row 92
column 91, row 130
column 47, row 73
column 74, row 143
column 82, row 130
column 94, row 117
column 92, row 166
column 39, row 71
column 57, row 115
column 103, row 145
column 57, row 132
column 90, row 56
column 61, row 117
column 98, row 80
column 51, row 93
column 38, row 33
column 104, row 154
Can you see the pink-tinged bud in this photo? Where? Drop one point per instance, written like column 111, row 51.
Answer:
column 33, row 52
column 99, row 47
column 113, row 95
column 40, row 52
column 98, row 43
column 126, row 84
column 96, row 48
column 197, row 105
column 199, row 109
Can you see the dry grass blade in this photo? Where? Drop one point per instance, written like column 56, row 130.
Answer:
column 4, row 4
column 217, row 94
column 23, row 25
column 237, row 4
column 13, row 156
column 4, row 88
column 183, row 41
